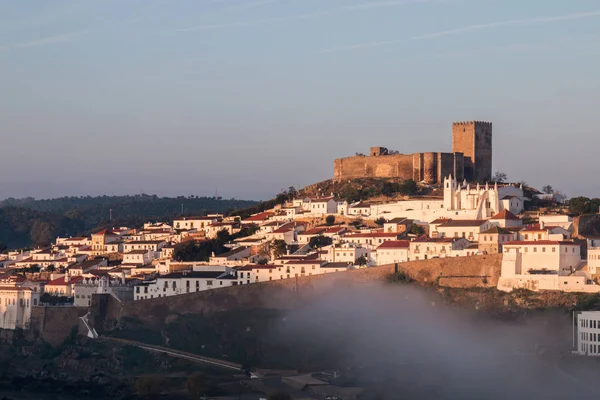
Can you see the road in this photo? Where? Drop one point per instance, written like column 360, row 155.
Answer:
column 176, row 353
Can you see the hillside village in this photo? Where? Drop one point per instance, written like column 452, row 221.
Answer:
column 304, row 236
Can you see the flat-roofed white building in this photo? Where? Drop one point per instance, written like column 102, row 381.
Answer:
column 587, row 333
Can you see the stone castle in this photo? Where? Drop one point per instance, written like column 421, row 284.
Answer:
column 471, row 159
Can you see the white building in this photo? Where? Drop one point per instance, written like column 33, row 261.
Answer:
column 506, row 219
column 467, row 229
column 587, row 333
column 256, row 273
column 393, row 251
column 231, row 257
column 424, row 248
column 152, row 245
column 139, row 257
column 460, row 201
column 16, row 301
column 544, row 265
column 370, row 240
column 198, row 223
column 104, row 284
column 323, row 206
column 346, row 252
column 177, row 283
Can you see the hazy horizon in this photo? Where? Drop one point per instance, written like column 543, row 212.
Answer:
column 247, row 97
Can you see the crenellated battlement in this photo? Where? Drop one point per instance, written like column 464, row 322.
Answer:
column 482, row 123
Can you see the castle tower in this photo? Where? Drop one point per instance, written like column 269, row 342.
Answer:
column 474, row 140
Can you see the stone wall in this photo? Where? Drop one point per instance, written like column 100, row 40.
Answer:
column 54, row 324
column 476, row 271
column 586, row 225
column 428, row 167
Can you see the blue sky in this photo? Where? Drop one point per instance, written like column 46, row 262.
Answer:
column 251, row 96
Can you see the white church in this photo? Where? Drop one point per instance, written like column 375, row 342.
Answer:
column 461, row 201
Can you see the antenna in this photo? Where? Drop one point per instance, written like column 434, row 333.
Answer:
column 110, row 214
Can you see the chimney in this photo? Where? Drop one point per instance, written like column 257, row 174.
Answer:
column 542, row 225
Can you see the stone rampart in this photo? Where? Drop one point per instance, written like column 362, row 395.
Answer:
column 476, row 271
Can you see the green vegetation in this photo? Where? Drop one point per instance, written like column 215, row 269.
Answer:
column 330, row 220
column 26, row 222
column 584, row 205
column 202, row 250
column 362, row 261
column 279, row 247
column 399, row 277
column 320, row 241
column 52, row 299
column 380, row 221
column 417, row 230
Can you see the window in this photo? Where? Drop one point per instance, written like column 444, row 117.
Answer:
column 543, row 249
column 554, row 249
column 174, row 285
column 187, row 284
column 209, row 283
column 535, row 249
column 197, row 284
column 145, row 289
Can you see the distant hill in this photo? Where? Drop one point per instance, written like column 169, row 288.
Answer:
column 27, row 222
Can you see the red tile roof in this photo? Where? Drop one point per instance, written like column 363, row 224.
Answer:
column 253, row 267
column 537, row 228
column 61, row 281
column 540, row 242
column 260, row 216
column 372, row 235
column 506, row 215
column 394, row 244
column 314, row 231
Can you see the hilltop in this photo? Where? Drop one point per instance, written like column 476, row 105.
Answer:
column 27, row 222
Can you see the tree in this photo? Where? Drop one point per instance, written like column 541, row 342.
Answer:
column 380, row 221
column 417, row 230
column 409, row 187
column 223, row 236
column 356, row 223
column 499, row 177
column 262, row 261
column 279, row 247
column 51, row 268
column 317, row 242
column 279, row 396
column 362, row 261
column 548, row 189
column 330, row 220
column 292, row 193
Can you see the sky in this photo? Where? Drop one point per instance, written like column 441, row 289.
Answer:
column 245, row 97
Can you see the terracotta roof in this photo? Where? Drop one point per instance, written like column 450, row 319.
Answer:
column 137, row 252
column 282, row 230
column 260, row 216
column 373, row 235
column 463, row 222
column 394, row 244
column 440, row 221
column 427, row 239
column 538, row 228
column 396, row 220
column 506, row 215
column 336, row 229
column 337, row 265
column 61, row 281
column 540, row 242
column 314, row 231
column 315, row 261
column 497, row 230
column 253, row 267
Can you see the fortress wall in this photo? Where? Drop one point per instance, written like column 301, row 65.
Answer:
column 393, row 166
column 475, row 271
column 417, row 162
column 459, row 166
column 430, row 167
column 445, row 165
